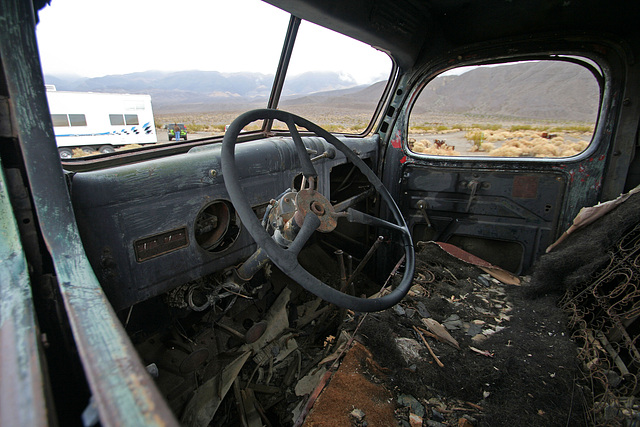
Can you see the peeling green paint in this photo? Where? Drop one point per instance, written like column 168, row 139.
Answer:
column 24, row 404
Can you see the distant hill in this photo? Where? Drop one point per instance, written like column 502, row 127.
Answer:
column 202, row 90
column 537, row 90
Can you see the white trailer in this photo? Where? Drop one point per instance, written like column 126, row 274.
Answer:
column 100, row 121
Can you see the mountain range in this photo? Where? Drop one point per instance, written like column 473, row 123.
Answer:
column 538, row 90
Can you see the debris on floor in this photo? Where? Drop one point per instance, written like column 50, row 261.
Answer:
column 470, row 345
column 487, row 355
column 462, row 349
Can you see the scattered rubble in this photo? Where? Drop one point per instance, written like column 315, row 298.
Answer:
column 462, row 349
column 470, row 345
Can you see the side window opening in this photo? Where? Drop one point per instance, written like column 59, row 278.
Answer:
column 60, row 120
column 531, row 109
column 77, row 120
column 116, row 119
column 131, row 119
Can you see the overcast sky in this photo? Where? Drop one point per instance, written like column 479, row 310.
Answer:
column 91, row 39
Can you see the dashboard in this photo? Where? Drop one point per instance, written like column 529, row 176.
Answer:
column 151, row 226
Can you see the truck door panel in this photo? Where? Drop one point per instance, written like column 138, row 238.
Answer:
column 448, row 159
column 507, row 218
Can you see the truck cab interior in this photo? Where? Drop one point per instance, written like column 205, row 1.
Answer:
column 172, row 284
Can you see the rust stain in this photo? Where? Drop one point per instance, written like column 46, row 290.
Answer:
column 350, row 388
column 525, row 187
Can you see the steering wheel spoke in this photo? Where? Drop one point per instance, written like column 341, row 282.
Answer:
column 314, row 212
column 363, row 218
column 307, row 166
column 311, row 222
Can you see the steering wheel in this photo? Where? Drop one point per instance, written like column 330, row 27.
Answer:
column 315, row 214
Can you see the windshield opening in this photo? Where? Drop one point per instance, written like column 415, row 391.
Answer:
column 112, row 91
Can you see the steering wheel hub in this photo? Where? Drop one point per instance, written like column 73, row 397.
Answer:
column 312, row 201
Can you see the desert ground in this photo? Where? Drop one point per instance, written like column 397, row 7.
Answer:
column 449, row 135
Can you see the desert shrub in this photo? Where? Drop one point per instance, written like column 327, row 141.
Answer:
column 420, row 129
column 332, row 128
column 498, row 136
column 251, row 127
column 357, row 128
column 506, row 152
column 486, row 126
column 573, row 128
column 420, row 146
column 487, row 147
column 426, row 147
column 79, row 152
column 545, row 150
column 445, row 150
column 515, row 143
column 558, row 140
column 196, row 127
column 475, row 136
column 515, row 128
column 484, row 147
column 574, row 148
column 129, row 147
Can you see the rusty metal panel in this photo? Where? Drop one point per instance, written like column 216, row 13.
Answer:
column 124, row 392
column 22, row 400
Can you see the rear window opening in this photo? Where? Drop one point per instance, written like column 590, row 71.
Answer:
column 530, row 109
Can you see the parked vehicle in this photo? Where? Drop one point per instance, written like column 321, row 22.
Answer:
column 100, row 122
column 210, row 282
column 171, row 131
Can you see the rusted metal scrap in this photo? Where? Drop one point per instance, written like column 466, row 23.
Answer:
column 502, row 275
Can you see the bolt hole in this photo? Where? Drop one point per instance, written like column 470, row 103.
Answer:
column 247, row 323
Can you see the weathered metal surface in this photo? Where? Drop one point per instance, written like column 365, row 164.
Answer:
column 252, row 265
column 22, row 400
column 313, row 201
column 143, row 199
column 496, row 211
column 124, row 392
